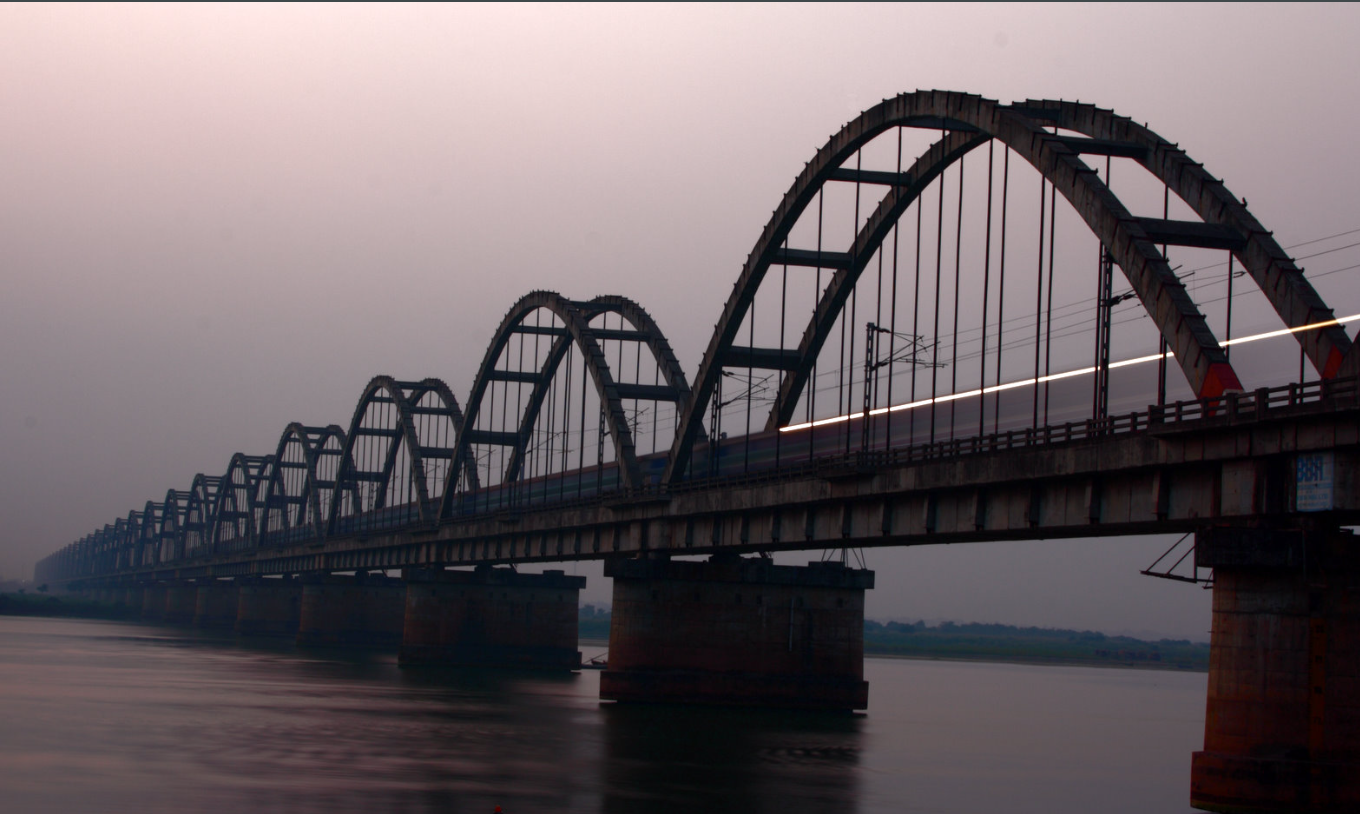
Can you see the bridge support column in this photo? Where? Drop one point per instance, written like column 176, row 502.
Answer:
column 153, row 602
column 492, row 617
column 352, row 611
column 737, row 631
column 181, row 601
column 132, row 597
column 1282, row 726
column 269, row 607
column 217, row 605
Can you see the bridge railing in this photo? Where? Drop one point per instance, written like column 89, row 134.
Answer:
column 1253, row 405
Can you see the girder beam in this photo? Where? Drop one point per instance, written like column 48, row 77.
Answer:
column 538, row 330
column 492, row 438
column 810, row 258
column 520, row 376
column 1193, row 234
column 621, row 334
column 761, row 358
column 887, row 179
column 649, row 392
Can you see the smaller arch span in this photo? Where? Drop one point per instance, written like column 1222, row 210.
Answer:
column 148, row 535
column 366, row 484
column 576, row 331
column 676, row 389
column 172, row 528
column 301, row 483
column 235, row 511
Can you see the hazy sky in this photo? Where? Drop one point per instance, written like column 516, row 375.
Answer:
column 215, row 220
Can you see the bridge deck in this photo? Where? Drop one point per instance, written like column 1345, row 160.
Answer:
column 1170, row 469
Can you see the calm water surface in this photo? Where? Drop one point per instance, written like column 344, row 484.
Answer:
column 112, row 717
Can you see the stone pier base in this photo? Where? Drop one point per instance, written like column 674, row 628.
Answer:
column 1282, row 727
column 493, row 618
column 740, row 632
column 352, row 611
column 216, row 607
column 181, row 602
column 269, row 607
column 153, row 602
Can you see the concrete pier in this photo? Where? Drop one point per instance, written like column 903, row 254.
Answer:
column 217, row 604
column 352, row 611
column 153, row 601
column 737, row 631
column 1282, row 726
column 181, row 603
column 269, row 607
column 492, row 617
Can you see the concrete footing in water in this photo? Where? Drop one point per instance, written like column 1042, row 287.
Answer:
column 153, row 601
column 492, row 617
column 269, row 607
column 737, row 631
column 216, row 607
column 1282, row 726
column 352, row 611
column 181, row 603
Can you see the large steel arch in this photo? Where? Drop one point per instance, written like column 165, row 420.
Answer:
column 405, row 397
column 577, row 327
column 1131, row 241
column 1232, row 226
column 644, row 329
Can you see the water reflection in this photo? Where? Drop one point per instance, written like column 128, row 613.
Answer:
column 113, row 717
column 666, row 759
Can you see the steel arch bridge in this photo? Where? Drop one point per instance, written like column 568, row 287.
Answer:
column 580, row 401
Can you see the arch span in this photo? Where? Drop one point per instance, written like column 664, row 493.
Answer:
column 301, row 483
column 173, row 522
column 365, row 482
column 148, row 536
column 644, row 329
column 575, row 331
column 235, row 511
column 1235, row 228
column 1132, row 242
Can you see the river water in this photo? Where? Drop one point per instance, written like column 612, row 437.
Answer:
column 113, row 717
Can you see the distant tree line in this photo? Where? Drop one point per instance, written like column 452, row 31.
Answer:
column 1007, row 642
column 994, row 642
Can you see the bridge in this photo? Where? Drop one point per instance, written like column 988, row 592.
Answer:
column 913, row 352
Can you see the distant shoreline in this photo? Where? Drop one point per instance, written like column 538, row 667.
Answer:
column 1102, row 663
column 998, row 659
column 1007, row 644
